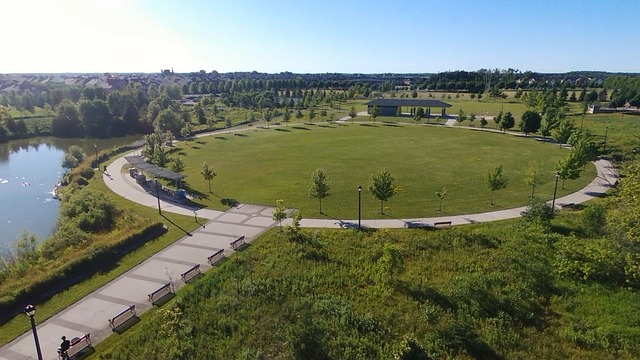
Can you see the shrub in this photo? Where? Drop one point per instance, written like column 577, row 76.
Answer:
column 82, row 181
column 538, row 213
column 92, row 210
column 594, row 219
column 87, row 173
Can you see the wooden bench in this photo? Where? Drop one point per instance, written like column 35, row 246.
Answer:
column 163, row 291
column 122, row 317
column 238, row 244
column 78, row 344
column 216, row 257
column 191, row 273
column 442, row 224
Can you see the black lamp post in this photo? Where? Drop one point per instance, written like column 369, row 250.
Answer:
column 30, row 310
column 555, row 191
column 359, row 205
column 95, row 147
column 606, row 130
column 158, row 195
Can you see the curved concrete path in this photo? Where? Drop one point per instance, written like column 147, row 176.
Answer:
column 607, row 175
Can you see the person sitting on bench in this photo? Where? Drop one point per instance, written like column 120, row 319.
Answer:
column 64, row 346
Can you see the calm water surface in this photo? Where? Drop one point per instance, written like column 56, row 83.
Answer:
column 29, row 170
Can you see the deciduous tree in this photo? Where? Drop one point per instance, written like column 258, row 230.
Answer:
column 507, row 121
column 208, row 173
column 382, row 187
column 375, row 113
column 320, row 186
column 441, row 195
column 533, row 176
column 530, row 122
column 280, row 212
column 496, row 180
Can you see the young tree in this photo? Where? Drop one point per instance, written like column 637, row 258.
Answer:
column 311, row 114
column 352, row 113
column 418, row 115
column 280, row 213
column 299, row 115
column 177, row 165
column 323, row 114
column 533, row 176
column 375, row 113
column 202, row 118
column 268, row 116
column 382, row 187
column 461, row 117
column 186, row 130
column 498, row 119
column 228, row 123
column 208, row 173
column 496, row 180
column 483, row 122
column 471, row 117
column 414, row 93
column 507, row 122
column 286, row 116
column 320, row 186
column 531, row 122
column 211, row 123
column 563, row 131
column 441, row 195
column 569, row 167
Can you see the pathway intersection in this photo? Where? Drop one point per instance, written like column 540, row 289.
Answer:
column 91, row 314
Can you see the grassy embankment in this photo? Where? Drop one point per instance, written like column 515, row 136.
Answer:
column 133, row 218
column 487, row 291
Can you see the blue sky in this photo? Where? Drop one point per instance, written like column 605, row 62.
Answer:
column 319, row 36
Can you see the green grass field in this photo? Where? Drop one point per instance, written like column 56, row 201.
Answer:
column 263, row 165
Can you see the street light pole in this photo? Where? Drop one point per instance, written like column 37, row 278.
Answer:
column 158, row 195
column 606, row 130
column 555, row 191
column 359, row 205
column 30, row 310
column 95, row 147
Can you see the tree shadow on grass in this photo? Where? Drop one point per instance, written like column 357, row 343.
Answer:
column 369, row 125
column 200, row 142
column 240, row 135
column 327, row 126
column 196, row 147
column 300, row 128
column 221, row 138
column 283, row 130
column 391, row 125
column 229, row 202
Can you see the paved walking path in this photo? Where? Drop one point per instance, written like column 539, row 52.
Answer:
column 607, row 175
column 91, row 314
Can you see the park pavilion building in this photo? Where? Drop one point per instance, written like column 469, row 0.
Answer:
column 389, row 107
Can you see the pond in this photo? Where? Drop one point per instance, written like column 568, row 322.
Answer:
column 29, row 171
